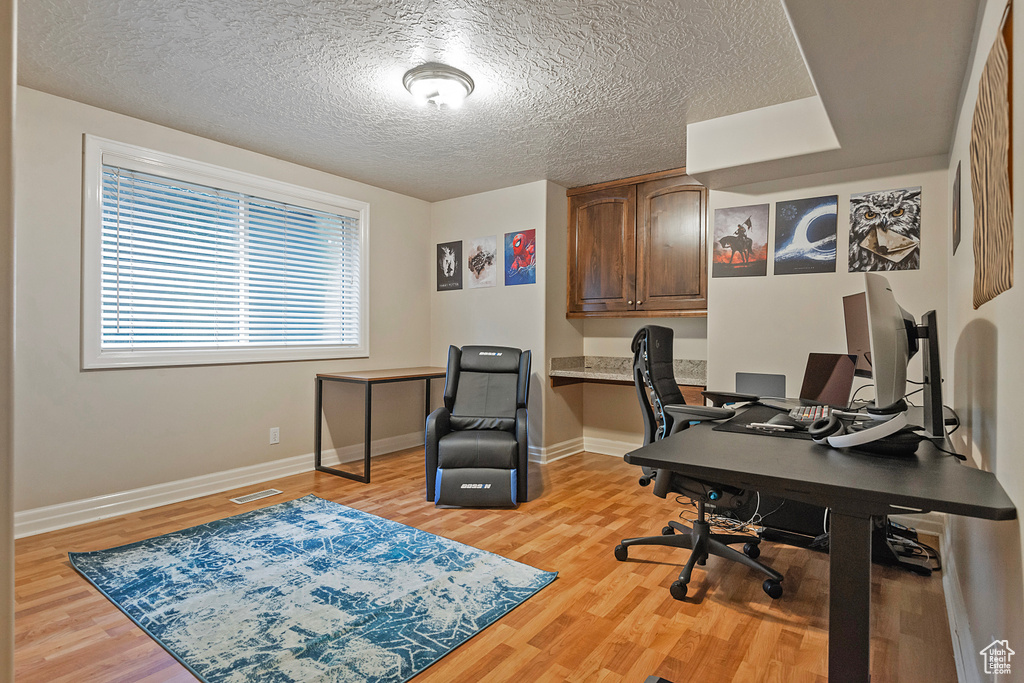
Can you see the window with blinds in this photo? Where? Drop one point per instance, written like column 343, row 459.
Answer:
column 193, row 271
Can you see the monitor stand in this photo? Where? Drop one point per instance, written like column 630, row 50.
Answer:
column 928, row 332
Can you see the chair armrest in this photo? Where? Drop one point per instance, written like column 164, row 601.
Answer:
column 682, row 412
column 438, row 424
column 720, row 398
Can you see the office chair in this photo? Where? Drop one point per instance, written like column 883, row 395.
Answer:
column 476, row 449
column 665, row 412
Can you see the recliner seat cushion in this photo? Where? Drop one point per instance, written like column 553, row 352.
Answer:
column 507, row 424
column 484, row 448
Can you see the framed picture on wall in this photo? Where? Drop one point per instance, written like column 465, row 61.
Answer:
column 956, row 209
column 805, row 235
column 521, row 257
column 481, row 262
column 449, row 266
column 885, row 230
column 741, row 241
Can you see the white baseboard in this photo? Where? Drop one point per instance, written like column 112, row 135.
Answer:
column 609, row 446
column 965, row 653
column 63, row 515
column 563, row 449
column 337, row 456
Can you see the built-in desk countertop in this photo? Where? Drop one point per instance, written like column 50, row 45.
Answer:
column 691, row 375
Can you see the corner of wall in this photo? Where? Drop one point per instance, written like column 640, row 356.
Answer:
column 7, row 68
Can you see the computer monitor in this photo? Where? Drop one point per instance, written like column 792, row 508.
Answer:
column 894, row 338
column 890, row 330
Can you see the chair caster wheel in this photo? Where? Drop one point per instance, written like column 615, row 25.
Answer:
column 678, row 590
column 751, row 550
column 667, row 531
column 621, row 553
column 773, row 588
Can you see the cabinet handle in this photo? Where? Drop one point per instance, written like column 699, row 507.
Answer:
column 639, row 302
column 630, row 303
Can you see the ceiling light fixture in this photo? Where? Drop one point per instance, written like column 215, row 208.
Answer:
column 439, row 84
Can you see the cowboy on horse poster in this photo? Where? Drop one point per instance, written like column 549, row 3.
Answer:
column 741, row 241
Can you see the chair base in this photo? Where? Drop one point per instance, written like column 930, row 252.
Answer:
column 702, row 542
column 476, row 487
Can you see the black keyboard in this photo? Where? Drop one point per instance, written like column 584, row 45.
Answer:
column 807, row 415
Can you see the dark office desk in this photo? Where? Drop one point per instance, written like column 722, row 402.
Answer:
column 856, row 487
column 367, row 378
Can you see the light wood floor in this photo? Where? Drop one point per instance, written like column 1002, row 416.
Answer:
column 601, row 620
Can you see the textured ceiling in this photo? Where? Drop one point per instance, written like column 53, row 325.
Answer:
column 574, row 91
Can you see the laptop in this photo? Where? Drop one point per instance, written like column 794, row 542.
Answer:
column 828, row 379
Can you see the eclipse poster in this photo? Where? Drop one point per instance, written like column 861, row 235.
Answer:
column 521, row 257
column 805, row 235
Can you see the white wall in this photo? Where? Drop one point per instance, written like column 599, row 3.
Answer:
column 984, row 379
column 611, row 413
column 563, row 406
column 83, row 434
column 503, row 315
column 7, row 94
column 769, row 324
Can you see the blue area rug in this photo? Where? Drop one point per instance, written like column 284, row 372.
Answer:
column 308, row 590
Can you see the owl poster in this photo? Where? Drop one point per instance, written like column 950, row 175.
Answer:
column 521, row 257
column 481, row 259
column 885, row 230
column 741, row 241
column 449, row 266
column 805, row 235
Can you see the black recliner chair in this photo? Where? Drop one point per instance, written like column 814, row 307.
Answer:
column 476, row 445
column 665, row 412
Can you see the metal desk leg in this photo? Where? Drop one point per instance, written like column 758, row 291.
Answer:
column 318, row 434
column 366, row 444
column 849, row 599
column 318, row 439
column 426, row 402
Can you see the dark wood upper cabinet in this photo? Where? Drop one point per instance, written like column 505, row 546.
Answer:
column 602, row 245
column 638, row 248
column 671, row 263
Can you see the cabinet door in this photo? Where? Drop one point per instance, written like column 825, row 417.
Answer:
column 672, row 265
column 602, row 250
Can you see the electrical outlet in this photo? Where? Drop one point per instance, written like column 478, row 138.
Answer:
column 275, row 435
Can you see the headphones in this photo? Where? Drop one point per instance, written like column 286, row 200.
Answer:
column 891, row 420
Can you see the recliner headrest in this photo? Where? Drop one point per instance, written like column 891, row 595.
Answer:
column 490, row 359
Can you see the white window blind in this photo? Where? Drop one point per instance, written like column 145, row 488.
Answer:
column 204, row 272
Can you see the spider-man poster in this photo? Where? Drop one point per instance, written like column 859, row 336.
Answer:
column 521, row 257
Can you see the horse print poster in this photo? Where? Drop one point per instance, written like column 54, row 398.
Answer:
column 521, row 257
column 741, row 241
column 481, row 257
column 805, row 235
column 449, row 266
column 885, row 230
